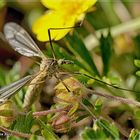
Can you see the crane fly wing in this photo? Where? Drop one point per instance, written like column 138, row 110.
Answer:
column 7, row 91
column 21, row 41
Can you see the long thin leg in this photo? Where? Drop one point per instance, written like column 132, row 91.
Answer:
column 62, row 83
column 116, row 87
column 50, row 40
column 90, row 112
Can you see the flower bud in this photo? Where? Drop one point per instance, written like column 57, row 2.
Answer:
column 7, row 114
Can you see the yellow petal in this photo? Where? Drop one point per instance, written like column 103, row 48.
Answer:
column 87, row 4
column 49, row 20
column 63, row 14
column 52, row 4
column 68, row 4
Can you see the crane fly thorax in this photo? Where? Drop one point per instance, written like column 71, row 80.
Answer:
column 44, row 64
column 53, row 67
column 49, row 67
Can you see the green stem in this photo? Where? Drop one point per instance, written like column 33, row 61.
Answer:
column 91, row 41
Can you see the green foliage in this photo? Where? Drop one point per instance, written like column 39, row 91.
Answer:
column 138, row 73
column 14, row 138
column 110, row 129
column 98, row 106
column 47, row 132
column 137, row 45
column 106, row 52
column 134, row 135
column 13, row 74
column 34, row 137
column 137, row 64
column 2, row 77
column 84, row 56
column 90, row 134
column 137, row 114
column 2, row 3
column 102, row 129
column 88, row 106
column 82, row 117
column 23, row 123
column 63, row 54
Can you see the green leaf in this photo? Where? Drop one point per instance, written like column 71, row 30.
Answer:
column 134, row 135
column 137, row 63
column 138, row 73
column 88, row 106
column 14, row 138
column 137, row 45
column 79, row 49
column 23, row 123
column 87, row 103
column 137, row 114
column 13, row 74
column 63, row 54
column 2, row 3
column 91, row 134
column 47, row 132
column 35, row 137
column 106, row 51
column 47, row 135
column 3, row 73
column 110, row 128
column 101, row 130
column 98, row 106
column 82, row 117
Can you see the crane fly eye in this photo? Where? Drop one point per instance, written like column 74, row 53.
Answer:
column 69, row 62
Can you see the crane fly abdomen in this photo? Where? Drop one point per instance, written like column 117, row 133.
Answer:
column 34, row 90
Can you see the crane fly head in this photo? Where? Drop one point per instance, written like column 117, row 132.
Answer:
column 63, row 61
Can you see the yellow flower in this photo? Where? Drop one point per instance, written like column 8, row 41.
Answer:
column 61, row 14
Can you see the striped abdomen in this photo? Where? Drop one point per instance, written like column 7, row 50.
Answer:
column 34, row 90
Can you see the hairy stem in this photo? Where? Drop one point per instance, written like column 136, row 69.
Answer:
column 120, row 99
column 43, row 113
column 14, row 133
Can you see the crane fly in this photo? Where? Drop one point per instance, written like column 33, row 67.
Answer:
column 21, row 42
